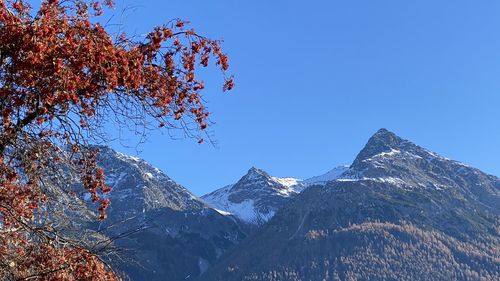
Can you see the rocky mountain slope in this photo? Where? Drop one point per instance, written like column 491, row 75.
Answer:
column 158, row 227
column 400, row 212
column 257, row 196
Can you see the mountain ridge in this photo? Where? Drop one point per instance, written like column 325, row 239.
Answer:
column 155, row 227
column 398, row 206
column 256, row 196
column 399, row 212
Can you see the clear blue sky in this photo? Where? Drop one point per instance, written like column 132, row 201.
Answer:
column 315, row 79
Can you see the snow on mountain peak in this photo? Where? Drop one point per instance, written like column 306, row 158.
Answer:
column 255, row 173
column 257, row 195
column 331, row 175
column 287, row 182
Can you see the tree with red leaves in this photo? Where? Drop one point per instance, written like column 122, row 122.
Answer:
column 62, row 75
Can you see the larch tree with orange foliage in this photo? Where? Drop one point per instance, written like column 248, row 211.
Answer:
column 62, row 75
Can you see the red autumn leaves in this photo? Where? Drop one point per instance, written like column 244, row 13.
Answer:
column 59, row 70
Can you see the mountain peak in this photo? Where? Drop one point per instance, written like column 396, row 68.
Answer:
column 255, row 172
column 382, row 141
column 254, row 169
column 383, row 132
column 385, row 136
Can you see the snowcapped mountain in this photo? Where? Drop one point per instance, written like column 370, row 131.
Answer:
column 139, row 187
column 398, row 207
column 400, row 212
column 163, row 229
column 257, row 196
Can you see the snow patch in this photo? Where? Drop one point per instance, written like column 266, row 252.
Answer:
column 245, row 210
column 224, row 213
column 384, row 154
column 390, row 180
column 331, row 175
column 287, row 182
column 128, row 157
column 390, row 153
